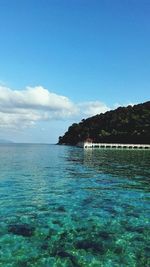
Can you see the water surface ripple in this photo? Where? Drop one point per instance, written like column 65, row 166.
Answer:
column 64, row 206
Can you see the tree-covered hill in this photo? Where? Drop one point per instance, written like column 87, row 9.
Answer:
column 129, row 124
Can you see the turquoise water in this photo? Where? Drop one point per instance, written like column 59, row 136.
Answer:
column 63, row 206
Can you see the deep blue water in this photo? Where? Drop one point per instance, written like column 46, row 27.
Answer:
column 65, row 206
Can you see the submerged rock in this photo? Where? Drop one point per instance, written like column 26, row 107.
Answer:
column 23, row 263
column 21, row 229
column 65, row 254
column 63, row 235
column 92, row 245
column 103, row 234
column 132, row 228
column 52, row 232
column 45, row 246
column 61, row 209
column 119, row 250
column 57, row 222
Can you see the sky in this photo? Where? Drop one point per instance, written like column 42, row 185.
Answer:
column 65, row 60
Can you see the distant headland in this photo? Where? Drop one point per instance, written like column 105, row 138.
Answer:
column 126, row 125
column 4, row 141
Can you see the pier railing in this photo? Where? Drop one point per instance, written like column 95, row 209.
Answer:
column 116, row 146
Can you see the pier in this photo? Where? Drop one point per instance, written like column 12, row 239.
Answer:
column 115, row 146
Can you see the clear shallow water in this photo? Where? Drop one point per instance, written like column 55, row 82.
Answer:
column 62, row 206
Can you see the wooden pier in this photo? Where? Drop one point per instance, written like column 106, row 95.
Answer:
column 115, row 146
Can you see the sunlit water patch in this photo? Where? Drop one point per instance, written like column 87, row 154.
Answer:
column 64, row 206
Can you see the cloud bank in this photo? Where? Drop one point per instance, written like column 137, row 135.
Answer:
column 92, row 108
column 24, row 108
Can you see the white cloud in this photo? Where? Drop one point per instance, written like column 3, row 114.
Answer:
column 92, row 108
column 24, row 108
column 21, row 109
column 34, row 98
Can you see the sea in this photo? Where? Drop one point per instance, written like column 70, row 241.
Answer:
column 63, row 206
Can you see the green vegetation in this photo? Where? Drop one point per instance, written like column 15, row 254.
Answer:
column 122, row 125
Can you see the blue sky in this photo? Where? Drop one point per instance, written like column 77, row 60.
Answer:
column 95, row 53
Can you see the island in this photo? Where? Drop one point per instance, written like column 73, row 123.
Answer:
column 5, row 141
column 127, row 125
